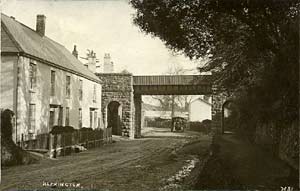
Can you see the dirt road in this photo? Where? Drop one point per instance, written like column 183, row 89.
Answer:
column 141, row 164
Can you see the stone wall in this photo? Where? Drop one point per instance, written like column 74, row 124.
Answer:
column 281, row 140
column 218, row 99
column 118, row 87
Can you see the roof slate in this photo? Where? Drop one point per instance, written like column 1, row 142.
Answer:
column 41, row 47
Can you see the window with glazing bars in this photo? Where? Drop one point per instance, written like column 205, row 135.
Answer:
column 31, row 118
column 67, row 122
column 68, row 86
column 95, row 93
column 32, row 75
column 80, row 90
column 80, row 118
column 52, row 83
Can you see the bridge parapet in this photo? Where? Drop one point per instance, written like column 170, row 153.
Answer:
column 172, row 80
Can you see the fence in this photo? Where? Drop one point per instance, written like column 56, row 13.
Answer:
column 64, row 143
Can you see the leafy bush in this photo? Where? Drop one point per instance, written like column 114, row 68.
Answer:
column 62, row 129
column 158, row 122
column 86, row 129
column 204, row 126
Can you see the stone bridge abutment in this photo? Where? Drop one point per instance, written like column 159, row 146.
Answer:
column 118, row 87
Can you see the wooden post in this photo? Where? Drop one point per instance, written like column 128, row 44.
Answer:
column 54, row 145
column 63, row 143
column 94, row 139
column 87, row 140
column 50, row 145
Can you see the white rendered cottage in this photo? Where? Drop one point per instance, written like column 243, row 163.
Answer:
column 43, row 83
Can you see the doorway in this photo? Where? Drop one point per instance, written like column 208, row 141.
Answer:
column 114, row 116
column 230, row 117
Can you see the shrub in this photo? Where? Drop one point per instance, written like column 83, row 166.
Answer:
column 204, row 126
column 62, row 129
column 158, row 122
column 6, row 124
column 85, row 129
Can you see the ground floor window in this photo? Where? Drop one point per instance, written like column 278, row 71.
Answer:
column 60, row 116
column 93, row 118
column 55, row 116
column 67, row 123
column 32, row 113
column 80, row 118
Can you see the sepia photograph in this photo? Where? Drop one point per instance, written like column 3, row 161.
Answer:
column 149, row 95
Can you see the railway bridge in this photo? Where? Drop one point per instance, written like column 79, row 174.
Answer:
column 122, row 97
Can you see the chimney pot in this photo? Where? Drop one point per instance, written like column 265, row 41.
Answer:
column 75, row 52
column 40, row 24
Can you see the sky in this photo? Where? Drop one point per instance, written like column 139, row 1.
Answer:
column 104, row 26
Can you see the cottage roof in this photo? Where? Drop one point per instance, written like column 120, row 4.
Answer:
column 148, row 107
column 202, row 100
column 19, row 38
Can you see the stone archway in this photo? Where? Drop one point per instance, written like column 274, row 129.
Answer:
column 228, row 113
column 114, row 117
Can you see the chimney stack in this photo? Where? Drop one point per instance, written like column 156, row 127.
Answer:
column 92, row 61
column 75, row 52
column 108, row 65
column 40, row 24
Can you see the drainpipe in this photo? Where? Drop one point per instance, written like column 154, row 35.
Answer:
column 16, row 98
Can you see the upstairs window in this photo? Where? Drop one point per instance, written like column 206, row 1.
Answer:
column 80, row 90
column 95, row 93
column 52, row 83
column 32, row 75
column 68, row 86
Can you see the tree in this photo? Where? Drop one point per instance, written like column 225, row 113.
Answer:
column 252, row 46
column 174, row 102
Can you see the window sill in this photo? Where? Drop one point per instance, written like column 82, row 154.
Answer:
column 32, row 91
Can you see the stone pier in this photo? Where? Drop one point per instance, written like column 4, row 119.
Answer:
column 118, row 87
